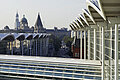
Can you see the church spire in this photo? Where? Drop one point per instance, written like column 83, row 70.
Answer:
column 17, row 15
column 38, row 24
column 17, row 23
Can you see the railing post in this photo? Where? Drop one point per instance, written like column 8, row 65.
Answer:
column 103, row 54
column 116, row 52
column 94, row 44
column 88, row 44
column 84, row 44
column 81, row 45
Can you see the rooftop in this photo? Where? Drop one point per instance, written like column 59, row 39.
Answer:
column 50, row 59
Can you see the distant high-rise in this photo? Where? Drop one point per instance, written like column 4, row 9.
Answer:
column 38, row 25
column 17, row 23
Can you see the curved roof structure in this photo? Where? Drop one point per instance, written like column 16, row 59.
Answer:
column 98, row 11
column 83, row 20
column 35, row 36
column 74, row 22
column 79, row 22
column 88, row 17
column 95, row 9
column 40, row 35
column 21, row 36
column 28, row 36
column 71, row 27
column 44, row 35
column 7, row 37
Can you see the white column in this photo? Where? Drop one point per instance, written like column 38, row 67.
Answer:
column 100, row 43
column 94, row 44
column 84, row 44
column 110, row 60
column 103, row 54
column 36, row 48
column 88, row 44
column 77, row 34
column 116, row 52
column 81, row 45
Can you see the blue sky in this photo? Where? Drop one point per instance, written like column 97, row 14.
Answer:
column 57, row 13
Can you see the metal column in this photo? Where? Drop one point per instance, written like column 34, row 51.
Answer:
column 103, row 54
column 84, row 44
column 94, row 44
column 81, row 45
column 116, row 52
column 88, row 44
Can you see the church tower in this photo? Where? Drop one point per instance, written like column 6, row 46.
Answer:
column 17, row 23
column 38, row 25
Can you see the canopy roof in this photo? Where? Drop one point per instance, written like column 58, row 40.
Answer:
column 88, row 17
column 98, row 11
column 76, row 24
column 83, row 20
column 7, row 37
column 21, row 36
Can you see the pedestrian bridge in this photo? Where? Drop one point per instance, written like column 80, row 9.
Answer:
column 99, row 26
column 29, row 67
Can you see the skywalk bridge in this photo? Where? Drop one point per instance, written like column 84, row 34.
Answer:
column 100, row 24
